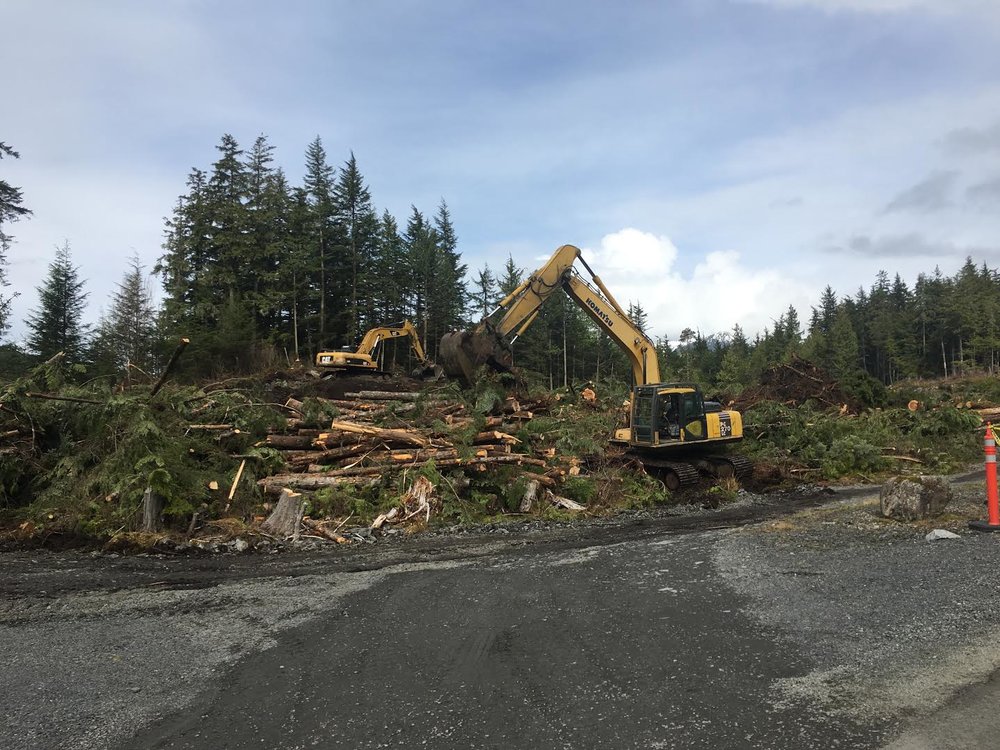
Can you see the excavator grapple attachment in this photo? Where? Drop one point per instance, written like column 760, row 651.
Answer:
column 463, row 352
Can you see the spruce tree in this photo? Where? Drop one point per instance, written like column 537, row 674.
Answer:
column 228, row 189
column 357, row 228
column 318, row 183
column 511, row 277
column 57, row 324
column 484, row 295
column 451, row 300
column 130, row 324
column 11, row 209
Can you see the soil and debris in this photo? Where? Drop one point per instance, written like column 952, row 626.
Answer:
column 795, row 383
column 258, row 461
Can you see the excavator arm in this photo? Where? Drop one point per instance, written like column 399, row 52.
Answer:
column 489, row 342
column 366, row 357
column 375, row 336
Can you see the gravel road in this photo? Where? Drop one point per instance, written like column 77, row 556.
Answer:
column 847, row 629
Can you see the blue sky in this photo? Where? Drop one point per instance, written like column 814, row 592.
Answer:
column 718, row 160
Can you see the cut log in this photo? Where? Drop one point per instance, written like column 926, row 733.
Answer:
column 295, row 405
column 329, row 478
column 384, row 395
column 286, row 519
column 274, row 485
column 210, row 427
column 318, row 457
column 564, row 502
column 288, row 442
column 383, row 518
column 324, row 532
column 495, row 436
column 236, row 481
column 399, row 436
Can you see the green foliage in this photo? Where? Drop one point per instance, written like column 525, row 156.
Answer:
column 862, row 445
column 56, row 325
column 581, row 489
column 91, row 462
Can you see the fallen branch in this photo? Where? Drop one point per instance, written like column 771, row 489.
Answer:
column 51, row 397
column 170, row 366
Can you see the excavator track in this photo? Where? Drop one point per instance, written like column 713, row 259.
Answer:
column 678, row 474
column 722, row 465
column 675, row 474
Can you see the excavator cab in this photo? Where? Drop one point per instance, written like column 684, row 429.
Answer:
column 670, row 414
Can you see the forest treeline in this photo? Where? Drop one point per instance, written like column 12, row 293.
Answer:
column 258, row 272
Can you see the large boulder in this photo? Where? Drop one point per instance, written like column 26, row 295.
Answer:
column 910, row 498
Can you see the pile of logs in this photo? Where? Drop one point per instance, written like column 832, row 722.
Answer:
column 354, row 449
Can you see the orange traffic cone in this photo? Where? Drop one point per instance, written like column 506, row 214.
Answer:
column 992, row 502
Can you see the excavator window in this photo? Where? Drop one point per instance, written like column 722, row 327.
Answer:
column 671, row 416
column 693, row 415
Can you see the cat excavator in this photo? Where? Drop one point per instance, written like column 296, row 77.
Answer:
column 671, row 428
column 370, row 355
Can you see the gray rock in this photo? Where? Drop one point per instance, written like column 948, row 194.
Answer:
column 910, row 498
column 941, row 534
column 240, row 545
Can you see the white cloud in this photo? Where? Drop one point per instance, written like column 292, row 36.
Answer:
column 785, row 199
column 720, row 291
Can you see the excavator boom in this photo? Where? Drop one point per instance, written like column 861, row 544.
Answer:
column 489, row 343
column 664, row 418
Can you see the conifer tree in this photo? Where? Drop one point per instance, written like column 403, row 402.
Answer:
column 11, row 209
column 357, row 228
column 452, row 299
column 125, row 336
column 484, row 295
column 511, row 277
column 56, row 325
column 228, row 187
column 393, row 272
column 318, row 183
column 843, row 345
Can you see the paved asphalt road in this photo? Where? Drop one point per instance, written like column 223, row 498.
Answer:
column 632, row 645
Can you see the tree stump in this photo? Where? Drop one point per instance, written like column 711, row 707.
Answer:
column 286, row 519
column 152, row 511
column 530, row 495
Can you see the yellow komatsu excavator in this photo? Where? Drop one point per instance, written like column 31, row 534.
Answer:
column 671, row 427
column 369, row 357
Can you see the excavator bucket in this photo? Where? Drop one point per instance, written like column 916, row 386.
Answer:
column 430, row 372
column 463, row 352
